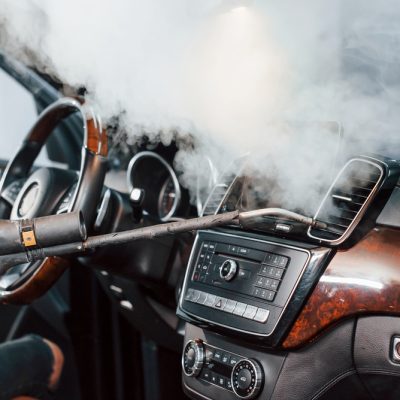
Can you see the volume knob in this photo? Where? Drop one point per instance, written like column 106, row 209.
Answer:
column 247, row 379
column 193, row 357
column 228, row 269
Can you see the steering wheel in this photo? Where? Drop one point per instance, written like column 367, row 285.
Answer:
column 26, row 193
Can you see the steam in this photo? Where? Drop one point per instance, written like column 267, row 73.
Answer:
column 240, row 77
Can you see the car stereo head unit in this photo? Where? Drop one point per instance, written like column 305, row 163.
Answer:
column 240, row 283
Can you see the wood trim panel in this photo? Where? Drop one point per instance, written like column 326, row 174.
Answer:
column 42, row 280
column 362, row 280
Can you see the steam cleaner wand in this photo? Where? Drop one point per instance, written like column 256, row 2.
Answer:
column 25, row 241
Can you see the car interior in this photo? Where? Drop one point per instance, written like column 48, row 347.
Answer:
column 273, row 307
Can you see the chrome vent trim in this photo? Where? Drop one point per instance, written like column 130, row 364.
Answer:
column 347, row 200
column 218, row 195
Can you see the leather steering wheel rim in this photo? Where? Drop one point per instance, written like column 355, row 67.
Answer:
column 87, row 193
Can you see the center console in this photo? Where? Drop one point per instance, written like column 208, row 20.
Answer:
column 241, row 288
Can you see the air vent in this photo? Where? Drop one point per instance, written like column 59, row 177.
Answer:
column 347, row 200
column 218, row 194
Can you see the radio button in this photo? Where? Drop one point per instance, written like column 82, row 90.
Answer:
column 244, row 274
column 250, row 312
column 202, row 298
column 261, row 315
column 243, row 251
column 233, row 249
column 274, row 284
column 228, row 384
column 196, row 277
column 260, row 281
column 189, row 295
column 210, row 300
column 270, row 296
column 240, row 308
column 278, row 273
column 195, row 295
column 230, row 306
column 282, row 263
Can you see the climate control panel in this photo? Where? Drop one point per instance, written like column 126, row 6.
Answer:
column 240, row 375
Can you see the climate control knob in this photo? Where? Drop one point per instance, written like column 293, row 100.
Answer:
column 247, row 379
column 228, row 269
column 193, row 357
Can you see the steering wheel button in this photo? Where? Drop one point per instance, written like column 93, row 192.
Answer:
column 261, row 315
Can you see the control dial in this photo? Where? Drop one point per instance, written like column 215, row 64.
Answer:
column 193, row 357
column 228, row 269
column 247, row 379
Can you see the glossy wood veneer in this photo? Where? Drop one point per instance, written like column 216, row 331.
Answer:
column 362, row 280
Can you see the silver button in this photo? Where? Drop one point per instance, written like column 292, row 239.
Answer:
column 261, row 315
column 230, row 306
column 202, row 298
column 210, row 300
column 250, row 312
column 240, row 308
column 220, row 303
column 189, row 295
column 195, row 295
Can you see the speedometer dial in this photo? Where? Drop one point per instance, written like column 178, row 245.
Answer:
column 150, row 172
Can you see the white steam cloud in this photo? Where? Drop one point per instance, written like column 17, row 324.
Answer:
column 228, row 73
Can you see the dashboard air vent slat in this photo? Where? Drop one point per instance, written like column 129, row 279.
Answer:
column 347, row 199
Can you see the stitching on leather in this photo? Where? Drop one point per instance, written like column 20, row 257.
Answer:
column 332, row 382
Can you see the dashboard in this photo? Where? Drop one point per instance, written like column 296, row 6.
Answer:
column 257, row 305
